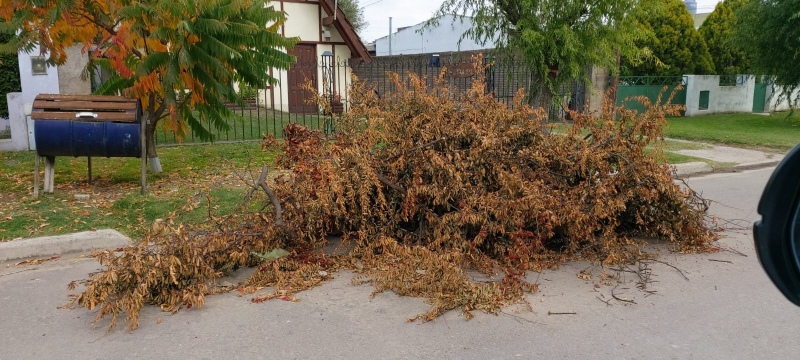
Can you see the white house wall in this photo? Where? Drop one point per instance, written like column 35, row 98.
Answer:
column 33, row 85
column 335, row 36
column 278, row 97
column 64, row 79
column 304, row 20
column 274, row 98
column 343, row 73
column 442, row 38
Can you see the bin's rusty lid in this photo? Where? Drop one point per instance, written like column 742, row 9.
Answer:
column 86, row 108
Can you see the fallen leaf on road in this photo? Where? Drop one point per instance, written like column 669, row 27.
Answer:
column 37, row 261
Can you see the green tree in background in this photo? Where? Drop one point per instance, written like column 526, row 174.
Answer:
column 352, row 9
column 717, row 31
column 672, row 38
column 557, row 39
column 9, row 76
column 770, row 32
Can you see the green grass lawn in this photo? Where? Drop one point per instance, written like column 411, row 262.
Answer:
column 775, row 131
column 193, row 177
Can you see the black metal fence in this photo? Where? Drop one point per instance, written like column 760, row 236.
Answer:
column 269, row 109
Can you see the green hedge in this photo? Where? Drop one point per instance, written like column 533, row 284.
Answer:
column 9, row 76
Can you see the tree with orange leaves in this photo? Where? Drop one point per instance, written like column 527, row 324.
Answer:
column 180, row 57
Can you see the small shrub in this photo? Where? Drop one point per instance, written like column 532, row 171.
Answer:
column 247, row 92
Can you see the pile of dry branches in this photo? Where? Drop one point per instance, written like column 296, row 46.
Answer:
column 427, row 185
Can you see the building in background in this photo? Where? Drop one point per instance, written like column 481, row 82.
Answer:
column 698, row 18
column 326, row 38
column 443, row 37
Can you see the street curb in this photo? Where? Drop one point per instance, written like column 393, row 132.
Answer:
column 760, row 165
column 699, row 171
column 692, row 168
column 60, row 244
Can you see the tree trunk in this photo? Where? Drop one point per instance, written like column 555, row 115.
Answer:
column 543, row 97
column 152, row 156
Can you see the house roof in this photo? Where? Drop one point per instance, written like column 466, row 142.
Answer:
column 443, row 18
column 345, row 28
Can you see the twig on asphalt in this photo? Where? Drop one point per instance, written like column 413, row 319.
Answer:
column 670, row 265
column 723, row 261
column 731, row 250
column 608, row 302
column 561, row 313
column 735, row 224
column 620, row 299
column 519, row 319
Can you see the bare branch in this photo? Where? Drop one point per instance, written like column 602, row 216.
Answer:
column 390, row 184
column 262, row 182
column 670, row 265
column 109, row 29
column 620, row 299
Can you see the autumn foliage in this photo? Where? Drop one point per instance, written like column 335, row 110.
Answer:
column 180, row 58
column 427, row 187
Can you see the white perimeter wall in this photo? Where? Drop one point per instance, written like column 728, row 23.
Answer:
column 777, row 99
column 722, row 99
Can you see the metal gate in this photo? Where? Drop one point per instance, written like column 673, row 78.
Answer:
column 759, row 95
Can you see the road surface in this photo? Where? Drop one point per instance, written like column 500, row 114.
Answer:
column 727, row 309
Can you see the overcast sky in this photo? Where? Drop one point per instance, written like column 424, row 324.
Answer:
column 412, row 12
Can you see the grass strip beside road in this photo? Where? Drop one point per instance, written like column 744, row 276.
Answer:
column 778, row 131
column 198, row 180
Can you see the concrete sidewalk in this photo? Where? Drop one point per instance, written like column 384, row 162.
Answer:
column 84, row 241
column 733, row 158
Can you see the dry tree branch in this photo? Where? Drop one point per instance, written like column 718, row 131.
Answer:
column 697, row 199
column 562, row 313
column 613, row 295
column 670, row 265
column 262, row 182
column 722, row 261
column 418, row 147
column 390, row 184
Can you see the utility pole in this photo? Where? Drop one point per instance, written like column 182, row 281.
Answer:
column 390, row 35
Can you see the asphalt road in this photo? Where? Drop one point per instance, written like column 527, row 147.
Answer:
column 727, row 309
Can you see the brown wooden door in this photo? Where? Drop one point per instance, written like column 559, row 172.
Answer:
column 304, row 68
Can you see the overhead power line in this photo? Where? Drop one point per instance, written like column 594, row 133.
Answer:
column 372, row 3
